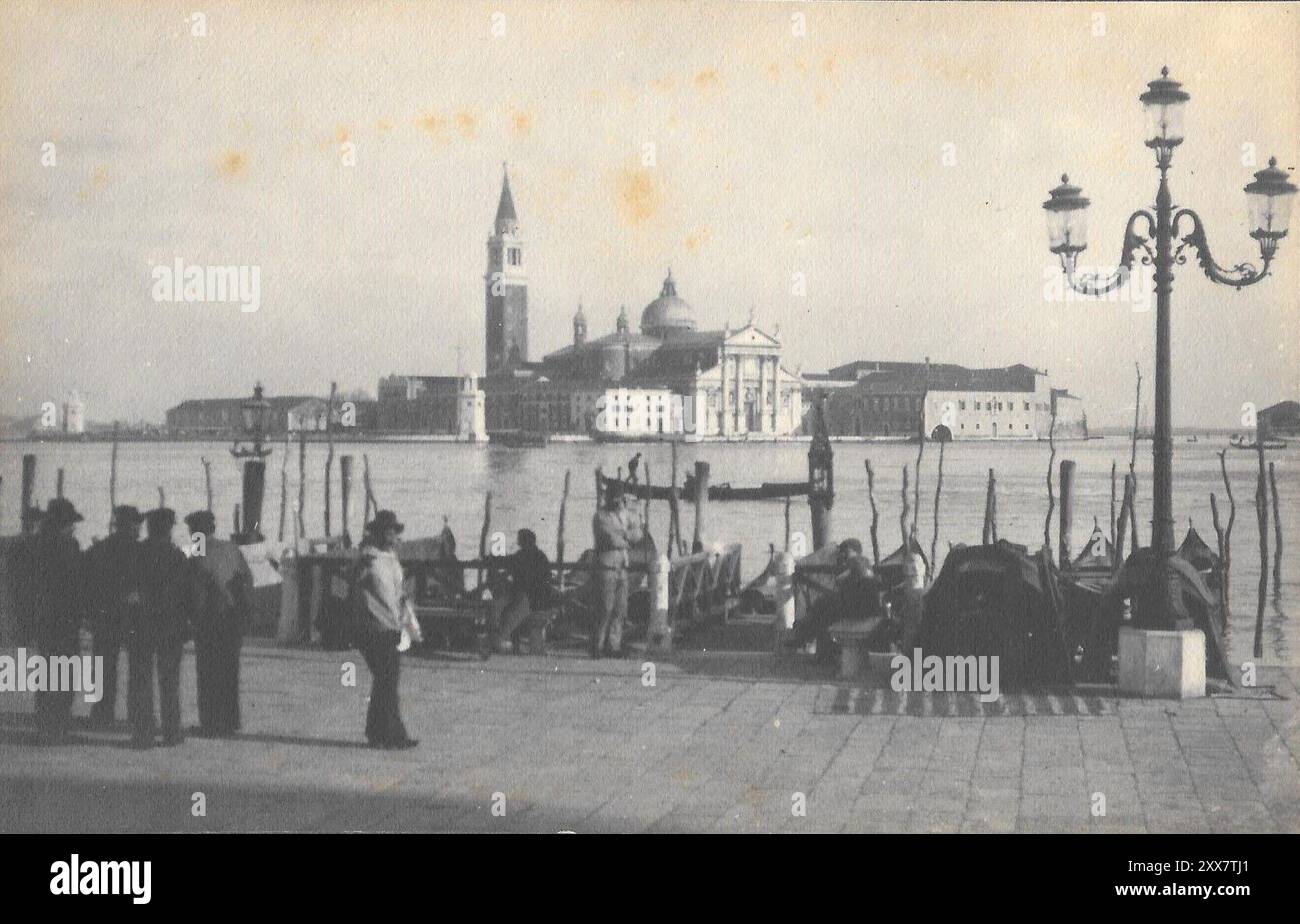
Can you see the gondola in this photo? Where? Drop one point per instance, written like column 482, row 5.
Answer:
column 717, row 492
column 1239, row 442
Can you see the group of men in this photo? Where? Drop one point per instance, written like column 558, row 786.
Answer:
column 616, row 531
column 147, row 598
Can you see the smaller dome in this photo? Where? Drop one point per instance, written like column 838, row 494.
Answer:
column 667, row 312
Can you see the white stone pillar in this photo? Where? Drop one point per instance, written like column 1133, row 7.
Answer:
column 659, row 634
column 785, row 608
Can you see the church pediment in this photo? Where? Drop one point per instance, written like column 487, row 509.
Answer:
column 751, row 336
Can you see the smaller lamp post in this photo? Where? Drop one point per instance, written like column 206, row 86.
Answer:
column 821, row 478
column 256, row 414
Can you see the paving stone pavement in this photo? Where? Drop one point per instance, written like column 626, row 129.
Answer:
column 726, row 743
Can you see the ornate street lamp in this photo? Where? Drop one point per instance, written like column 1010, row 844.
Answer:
column 1269, row 199
column 821, row 477
column 256, row 414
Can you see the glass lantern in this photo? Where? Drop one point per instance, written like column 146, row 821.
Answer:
column 1067, row 219
column 1164, row 104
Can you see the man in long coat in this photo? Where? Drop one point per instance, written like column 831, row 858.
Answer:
column 157, row 640
column 51, row 594
column 223, row 586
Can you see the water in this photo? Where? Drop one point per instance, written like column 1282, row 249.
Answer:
column 429, row 481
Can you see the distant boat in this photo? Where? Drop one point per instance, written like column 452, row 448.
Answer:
column 1239, row 442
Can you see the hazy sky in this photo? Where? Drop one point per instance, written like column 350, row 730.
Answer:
column 896, row 155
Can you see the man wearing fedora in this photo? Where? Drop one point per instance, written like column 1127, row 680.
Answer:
column 114, row 566
column 157, row 640
column 51, row 586
column 615, row 530
column 223, row 587
column 379, row 615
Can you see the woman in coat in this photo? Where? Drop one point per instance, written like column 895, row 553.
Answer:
column 381, row 614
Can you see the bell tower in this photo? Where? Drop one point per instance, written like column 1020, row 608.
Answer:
column 505, row 289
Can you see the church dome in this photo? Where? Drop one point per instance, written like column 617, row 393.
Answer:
column 667, row 312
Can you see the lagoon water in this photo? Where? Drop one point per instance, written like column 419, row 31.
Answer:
column 425, row 482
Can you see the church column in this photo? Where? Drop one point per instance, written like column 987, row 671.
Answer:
column 762, row 394
column 741, row 424
column 776, row 393
column 722, row 366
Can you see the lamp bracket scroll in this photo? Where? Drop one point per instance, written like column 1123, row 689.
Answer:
column 1096, row 284
column 1239, row 276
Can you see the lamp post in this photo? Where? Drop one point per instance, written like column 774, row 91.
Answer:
column 1269, row 199
column 256, row 413
column 821, row 478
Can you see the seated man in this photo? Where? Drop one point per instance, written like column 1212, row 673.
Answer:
column 530, row 589
column 858, row 594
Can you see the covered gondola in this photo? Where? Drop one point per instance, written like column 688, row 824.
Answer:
column 1098, row 555
column 998, row 600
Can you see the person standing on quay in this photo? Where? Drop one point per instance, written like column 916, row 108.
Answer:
column 615, row 530
column 157, row 641
column 379, row 601
column 51, row 586
column 114, row 566
column 223, row 589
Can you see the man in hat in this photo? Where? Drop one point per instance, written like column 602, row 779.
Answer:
column 223, row 587
column 157, row 640
column 615, row 530
column 50, row 590
column 380, row 600
column 114, row 566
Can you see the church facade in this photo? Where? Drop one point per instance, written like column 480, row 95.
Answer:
column 666, row 379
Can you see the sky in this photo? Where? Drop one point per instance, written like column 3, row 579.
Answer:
column 866, row 177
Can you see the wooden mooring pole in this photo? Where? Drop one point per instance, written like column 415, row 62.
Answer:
column 1067, row 513
column 559, row 528
column 483, row 534
column 1226, row 557
column 1111, row 526
column 1277, row 534
column 28, row 516
column 674, row 510
column 701, row 504
column 821, row 479
column 938, row 491
column 345, row 477
column 902, row 516
column 58, row 484
column 207, row 481
column 990, row 534
column 1261, row 517
column 875, row 513
column 1122, row 525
